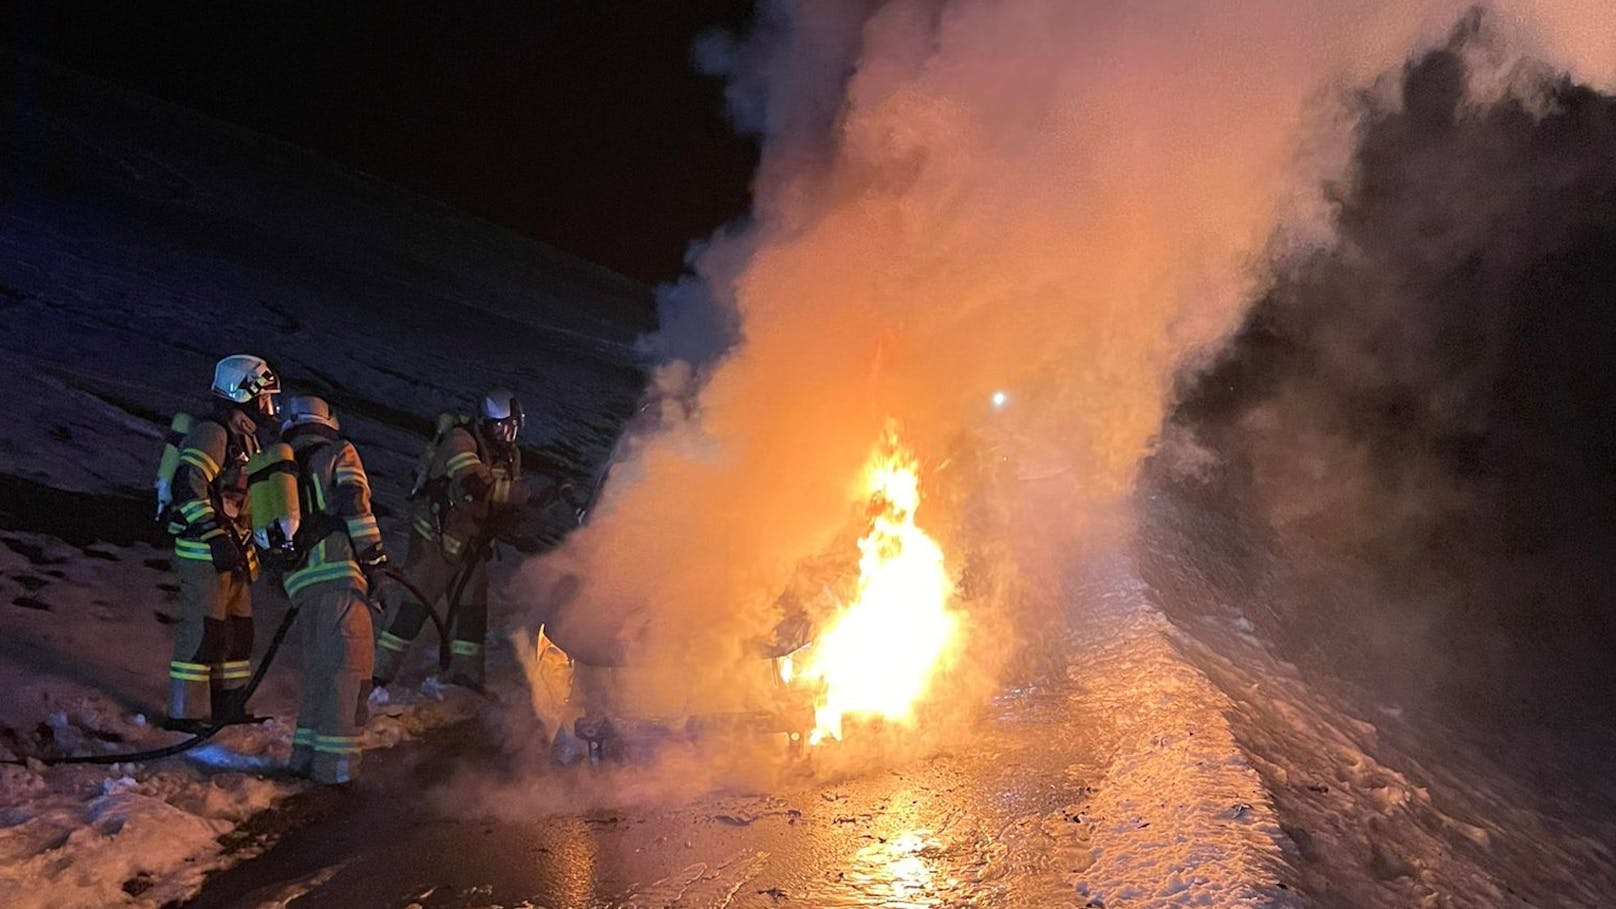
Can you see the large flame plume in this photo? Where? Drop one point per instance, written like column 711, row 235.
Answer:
column 880, row 655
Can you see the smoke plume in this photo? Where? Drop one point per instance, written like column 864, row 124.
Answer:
column 1062, row 200
column 1399, row 464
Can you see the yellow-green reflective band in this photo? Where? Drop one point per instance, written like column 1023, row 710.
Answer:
column 189, row 672
column 423, row 527
column 202, row 461
column 303, row 736
column 190, row 549
column 363, row 527
column 465, row 648
column 236, row 669
column 349, row 476
column 337, row 744
column 332, row 571
column 452, row 545
column 215, row 532
column 460, row 462
column 392, row 641
column 502, row 490
column 195, row 510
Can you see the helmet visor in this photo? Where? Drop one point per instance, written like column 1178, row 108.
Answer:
column 504, row 430
column 263, row 382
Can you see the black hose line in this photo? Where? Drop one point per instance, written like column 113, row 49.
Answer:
column 195, row 740
column 440, row 623
column 474, row 554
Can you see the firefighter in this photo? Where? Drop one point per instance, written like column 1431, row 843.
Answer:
column 213, row 642
column 470, row 490
column 338, row 559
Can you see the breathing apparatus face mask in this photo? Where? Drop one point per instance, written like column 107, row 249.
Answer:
column 268, row 406
column 504, row 430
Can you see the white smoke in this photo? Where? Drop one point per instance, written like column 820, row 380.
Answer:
column 1065, row 199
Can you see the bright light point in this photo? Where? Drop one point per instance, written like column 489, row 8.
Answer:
column 999, row 398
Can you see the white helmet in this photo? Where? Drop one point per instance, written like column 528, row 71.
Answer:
column 501, row 415
column 307, row 410
column 242, row 377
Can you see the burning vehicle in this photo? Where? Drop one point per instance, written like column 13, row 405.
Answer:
column 860, row 633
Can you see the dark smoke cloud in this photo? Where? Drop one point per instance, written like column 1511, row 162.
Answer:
column 1401, row 463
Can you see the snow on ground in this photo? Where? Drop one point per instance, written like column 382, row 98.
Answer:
column 1380, row 810
column 1180, row 816
column 83, row 644
column 83, row 635
column 1383, row 813
column 140, row 242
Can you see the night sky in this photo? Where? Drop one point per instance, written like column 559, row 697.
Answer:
column 581, row 123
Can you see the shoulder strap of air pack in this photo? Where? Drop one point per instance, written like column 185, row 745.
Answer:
column 446, row 423
column 315, row 523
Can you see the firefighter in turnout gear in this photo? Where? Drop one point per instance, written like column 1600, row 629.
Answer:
column 338, row 559
column 213, row 642
column 471, row 487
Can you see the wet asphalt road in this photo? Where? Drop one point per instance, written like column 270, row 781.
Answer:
column 985, row 824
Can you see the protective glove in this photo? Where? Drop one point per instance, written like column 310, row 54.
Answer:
column 226, row 553
column 374, row 558
column 579, row 503
column 373, row 562
column 521, row 492
column 380, row 591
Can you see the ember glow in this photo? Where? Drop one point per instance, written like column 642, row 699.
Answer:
column 878, row 657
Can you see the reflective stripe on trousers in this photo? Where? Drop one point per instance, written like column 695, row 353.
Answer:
column 337, row 640
column 213, row 639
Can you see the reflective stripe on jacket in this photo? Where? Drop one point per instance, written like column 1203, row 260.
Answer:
column 336, row 480
column 471, row 484
column 210, row 488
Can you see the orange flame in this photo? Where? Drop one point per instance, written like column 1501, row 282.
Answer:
column 878, row 657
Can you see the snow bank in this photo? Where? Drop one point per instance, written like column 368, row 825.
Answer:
column 1386, row 813
column 84, row 838
column 1181, row 817
column 83, row 665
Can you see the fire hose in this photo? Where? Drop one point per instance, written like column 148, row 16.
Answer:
column 195, row 740
column 442, row 624
column 439, row 623
column 475, row 553
column 275, row 642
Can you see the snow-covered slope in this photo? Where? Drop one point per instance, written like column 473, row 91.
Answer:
column 139, row 242
column 1381, row 804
